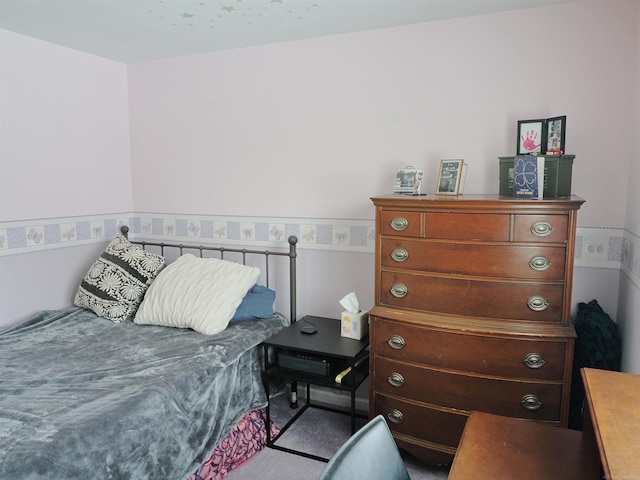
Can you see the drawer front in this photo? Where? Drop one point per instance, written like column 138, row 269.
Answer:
column 513, row 398
column 541, row 228
column 476, row 227
column 479, row 298
column 396, row 222
column 506, row 357
column 500, row 261
column 467, row 226
column 431, row 454
column 421, row 421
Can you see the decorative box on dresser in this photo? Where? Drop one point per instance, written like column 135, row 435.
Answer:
column 472, row 312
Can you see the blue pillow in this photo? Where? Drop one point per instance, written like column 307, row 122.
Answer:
column 257, row 303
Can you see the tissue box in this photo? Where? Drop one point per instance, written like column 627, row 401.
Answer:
column 354, row 325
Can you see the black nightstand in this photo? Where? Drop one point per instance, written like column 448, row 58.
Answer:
column 315, row 359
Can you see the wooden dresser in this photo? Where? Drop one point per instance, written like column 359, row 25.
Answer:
column 472, row 312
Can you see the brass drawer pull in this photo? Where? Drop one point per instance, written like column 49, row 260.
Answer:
column 399, row 223
column 530, row 402
column 539, row 263
column 399, row 290
column 399, row 254
column 533, row 360
column 395, row 416
column 396, row 342
column 537, row 304
column 395, row 379
column 541, row 229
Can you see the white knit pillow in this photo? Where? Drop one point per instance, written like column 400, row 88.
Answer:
column 198, row 293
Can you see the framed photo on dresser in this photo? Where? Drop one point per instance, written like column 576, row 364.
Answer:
column 556, row 128
column 449, row 177
column 532, row 137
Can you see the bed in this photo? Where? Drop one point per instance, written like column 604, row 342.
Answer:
column 113, row 390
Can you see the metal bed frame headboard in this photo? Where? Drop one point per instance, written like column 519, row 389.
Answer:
column 292, row 254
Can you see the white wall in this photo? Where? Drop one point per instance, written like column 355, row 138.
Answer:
column 314, row 128
column 65, row 132
column 64, row 151
column 628, row 316
column 46, row 280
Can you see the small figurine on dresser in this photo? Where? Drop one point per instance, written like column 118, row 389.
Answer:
column 408, row 180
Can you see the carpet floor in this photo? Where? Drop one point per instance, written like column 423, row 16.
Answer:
column 318, row 432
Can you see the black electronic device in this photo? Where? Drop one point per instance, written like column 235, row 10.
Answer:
column 308, row 329
column 304, row 363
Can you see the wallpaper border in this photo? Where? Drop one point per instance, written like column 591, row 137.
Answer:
column 596, row 247
column 26, row 236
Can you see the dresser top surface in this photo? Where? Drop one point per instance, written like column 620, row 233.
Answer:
column 433, row 200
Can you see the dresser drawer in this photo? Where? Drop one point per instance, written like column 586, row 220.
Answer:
column 489, row 355
column 500, row 261
column 467, row 226
column 421, row 421
column 481, row 298
column 535, row 401
column 406, row 224
column 541, row 228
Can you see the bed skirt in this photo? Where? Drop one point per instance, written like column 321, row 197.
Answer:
column 245, row 439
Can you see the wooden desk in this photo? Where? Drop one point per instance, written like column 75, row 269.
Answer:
column 612, row 418
column 504, row 448
column 494, row 447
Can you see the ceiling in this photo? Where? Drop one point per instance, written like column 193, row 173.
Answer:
column 131, row 31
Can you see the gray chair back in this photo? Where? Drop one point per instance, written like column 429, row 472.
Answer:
column 370, row 454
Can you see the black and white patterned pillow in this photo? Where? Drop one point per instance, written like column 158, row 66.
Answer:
column 116, row 283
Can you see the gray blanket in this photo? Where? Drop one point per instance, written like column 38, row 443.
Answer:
column 84, row 398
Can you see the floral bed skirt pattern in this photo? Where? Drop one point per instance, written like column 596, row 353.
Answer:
column 247, row 438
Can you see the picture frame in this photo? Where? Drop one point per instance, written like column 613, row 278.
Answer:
column 449, row 177
column 556, row 127
column 408, row 180
column 532, row 137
